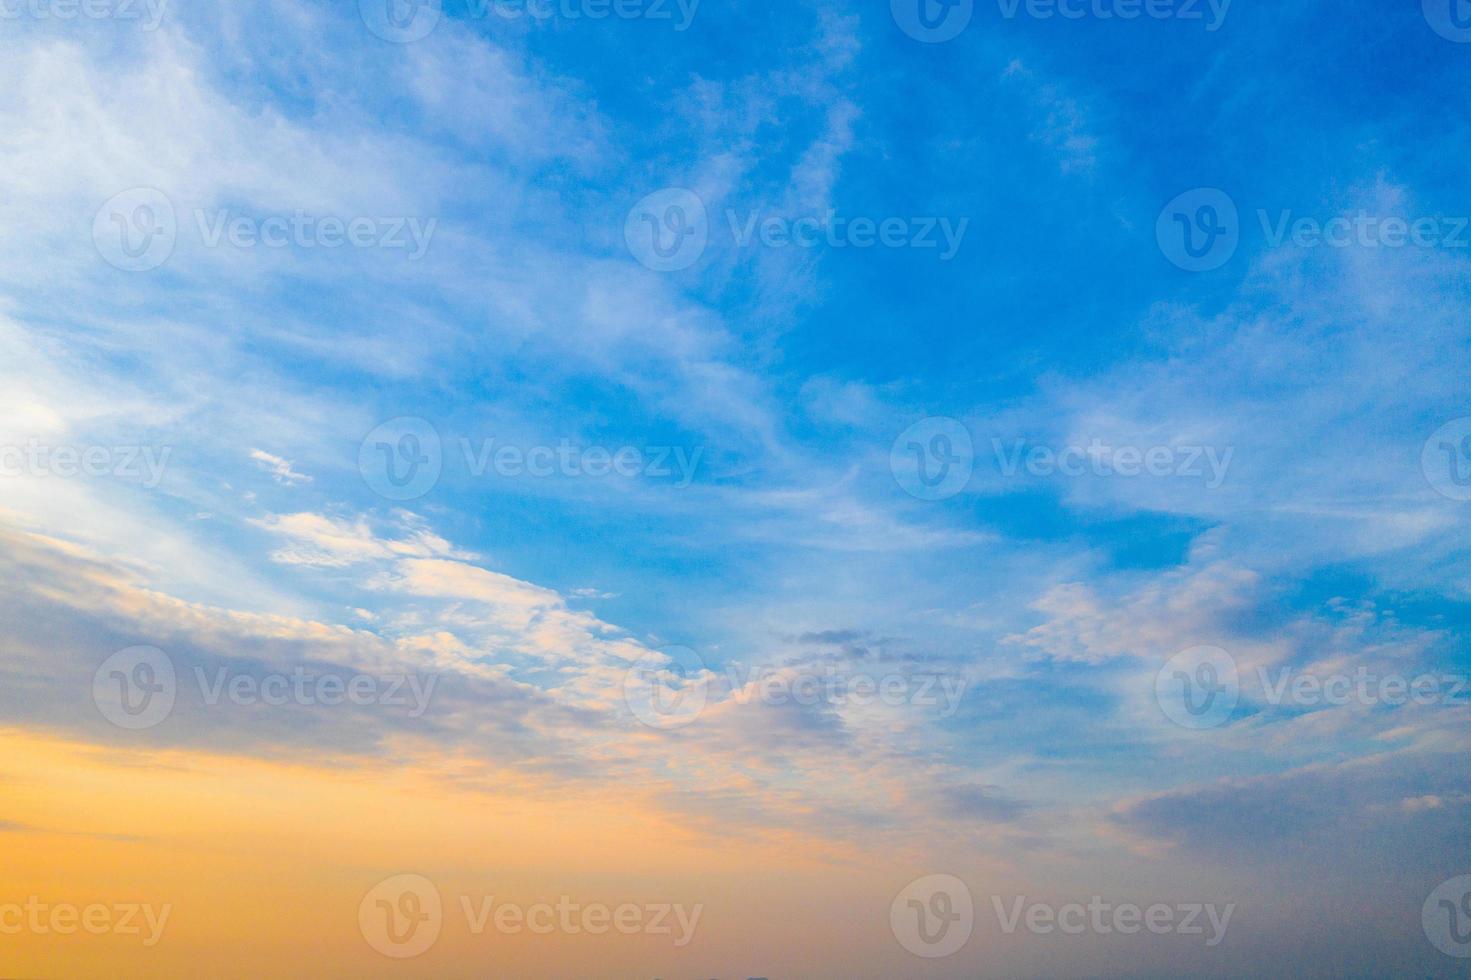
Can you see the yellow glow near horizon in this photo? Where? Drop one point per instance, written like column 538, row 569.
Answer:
column 263, row 864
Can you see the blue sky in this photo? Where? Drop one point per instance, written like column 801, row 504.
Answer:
column 1304, row 400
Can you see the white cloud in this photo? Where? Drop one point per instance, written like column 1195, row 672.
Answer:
column 280, row 469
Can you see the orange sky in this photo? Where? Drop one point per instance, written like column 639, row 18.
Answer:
column 261, row 861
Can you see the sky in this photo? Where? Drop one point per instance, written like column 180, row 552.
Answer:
column 697, row 488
